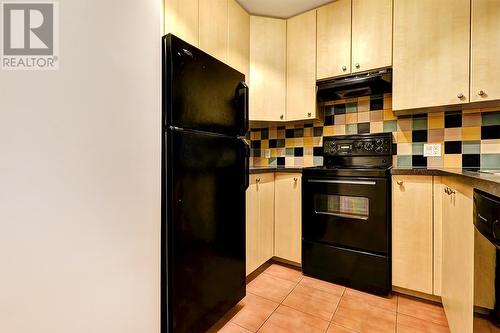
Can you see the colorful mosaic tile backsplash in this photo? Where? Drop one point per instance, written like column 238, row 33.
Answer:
column 468, row 138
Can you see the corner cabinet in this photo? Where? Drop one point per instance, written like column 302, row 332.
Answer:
column 431, row 53
column 267, row 69
column 412, row 233
column 301, row 67
column 259, row 221
column 288, row 217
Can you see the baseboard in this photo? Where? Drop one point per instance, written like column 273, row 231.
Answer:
column 417, row 294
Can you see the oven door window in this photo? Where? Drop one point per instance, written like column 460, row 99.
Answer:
column 357, row 208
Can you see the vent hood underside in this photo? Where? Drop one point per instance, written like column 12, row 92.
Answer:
column 364, row 84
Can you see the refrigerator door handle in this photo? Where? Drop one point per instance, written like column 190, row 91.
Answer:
column 243, row 86
column 246, row 163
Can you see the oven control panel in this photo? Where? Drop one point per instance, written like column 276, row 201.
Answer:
column 358, row 145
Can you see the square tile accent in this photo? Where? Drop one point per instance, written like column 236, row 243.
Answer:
column 470, row 132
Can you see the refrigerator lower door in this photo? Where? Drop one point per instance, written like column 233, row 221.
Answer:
column 205, row 227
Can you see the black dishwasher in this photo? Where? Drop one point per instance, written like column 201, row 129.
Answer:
column 487, row 258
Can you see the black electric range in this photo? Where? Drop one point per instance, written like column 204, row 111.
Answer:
column 346, row 213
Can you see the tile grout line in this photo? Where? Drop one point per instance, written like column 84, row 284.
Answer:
column 279, row 304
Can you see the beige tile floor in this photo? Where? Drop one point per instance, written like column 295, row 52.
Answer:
column 282, row 300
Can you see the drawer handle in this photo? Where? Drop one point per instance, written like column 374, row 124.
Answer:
column 257, row 180
column 351, row 182
column 399, row 182
column 295, row 179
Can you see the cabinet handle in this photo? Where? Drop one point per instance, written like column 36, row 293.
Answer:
column 399, row 182
column 295, row 179
column 309, row 114
column 460, row 95
column 344, row 68
column 257, row 180
column 447, row 190
column 481, row 93
column 357, row 65
column 281, row 117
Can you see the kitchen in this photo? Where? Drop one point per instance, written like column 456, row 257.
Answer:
column 369, row 122
column 252, row 166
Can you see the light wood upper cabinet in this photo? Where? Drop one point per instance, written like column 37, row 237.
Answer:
column 181, row 19
column 267, row 69
column 238, row 38
column 457, row 290
column 412, row 233
column 371, row 34
column 301, row 67
column 288, row 217
column 334, row 39
column 259, row 221
column 485, row 50
column 213, row 25
column 431, row 53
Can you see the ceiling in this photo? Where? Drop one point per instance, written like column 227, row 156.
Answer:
column 280, row 8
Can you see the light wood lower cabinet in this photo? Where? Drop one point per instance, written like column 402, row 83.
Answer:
column 260, row 220
column 457, row 290
column 288, row 217
column 412, row 233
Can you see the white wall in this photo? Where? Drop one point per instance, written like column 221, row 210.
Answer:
column 80, row 177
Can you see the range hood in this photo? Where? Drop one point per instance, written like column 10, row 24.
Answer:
column 363, row 84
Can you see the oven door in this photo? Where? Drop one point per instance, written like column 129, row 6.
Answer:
column 347, row 212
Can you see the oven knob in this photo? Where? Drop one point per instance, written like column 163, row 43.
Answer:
column 368, row 145
column 379, row 142
column 330, row 147
column 358, row 145
column 380, row 149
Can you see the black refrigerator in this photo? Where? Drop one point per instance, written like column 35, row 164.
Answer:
column 204, row 179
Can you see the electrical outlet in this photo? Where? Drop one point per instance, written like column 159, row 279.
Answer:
column 433, row 149
column 267, row 153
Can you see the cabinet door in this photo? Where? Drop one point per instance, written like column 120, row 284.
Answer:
column 252, row 226
column 431, row 53
column 238, row 38
column 412, row 233
column 485, row 50
column 181, row 19
column 457, row 290
column 213, row 28
column 301, row 67
column 334, row 39
column 438, row 233
column 265, row 187
column 267, row 69
column 288, row 217
column 260, row 221
column 371, row 34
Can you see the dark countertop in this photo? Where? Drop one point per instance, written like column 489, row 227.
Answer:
column 475, row 176
column 254, row 170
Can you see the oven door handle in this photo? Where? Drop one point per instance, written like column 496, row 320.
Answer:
column 349, row 182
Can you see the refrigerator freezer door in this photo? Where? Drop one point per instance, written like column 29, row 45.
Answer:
column 202, row 93
column 205, row 227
